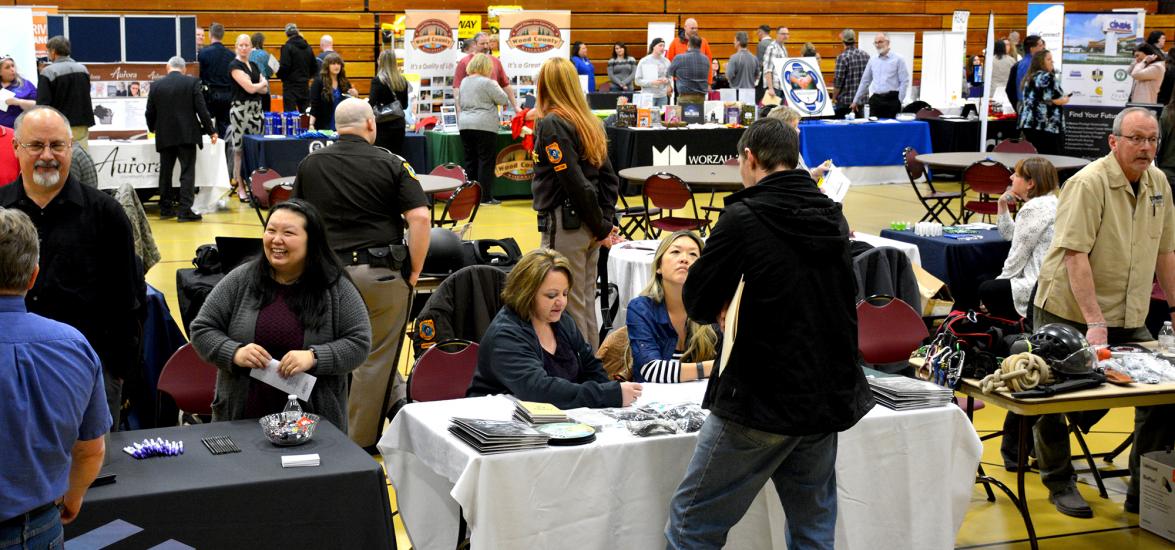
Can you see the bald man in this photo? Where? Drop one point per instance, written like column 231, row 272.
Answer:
column 88, row 275
column 367, row 196
column 327, row 45
column 681, row 45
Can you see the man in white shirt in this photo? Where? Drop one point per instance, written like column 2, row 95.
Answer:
column 885, row 81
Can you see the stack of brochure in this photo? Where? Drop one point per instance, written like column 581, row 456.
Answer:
column 531, row 412
column 901, row 393
column 497, row 436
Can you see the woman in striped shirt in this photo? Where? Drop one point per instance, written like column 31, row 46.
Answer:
column 666, row 346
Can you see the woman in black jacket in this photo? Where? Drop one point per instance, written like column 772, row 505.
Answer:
column 532, row 351
column 328, row 90
column 387, row 86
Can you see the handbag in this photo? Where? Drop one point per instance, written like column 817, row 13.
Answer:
column 388, row 112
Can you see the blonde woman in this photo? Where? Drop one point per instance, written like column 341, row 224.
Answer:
column 668, row 347
column 244, row 115
column 792, row 118
column 532, row 351
column 574, row 186
column 478, row 120
column 387, row 86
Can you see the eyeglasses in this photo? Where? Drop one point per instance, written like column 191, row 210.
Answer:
column 37, row 147
column 1141, row 140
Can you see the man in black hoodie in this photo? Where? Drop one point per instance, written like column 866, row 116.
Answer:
column 791, row 380
column 296, row 67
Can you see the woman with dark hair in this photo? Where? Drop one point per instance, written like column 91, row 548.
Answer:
column 1001, row 67
column 534, row 352
column 583, row 65
column 1168, row 83
column 666, row 345
column 327, row 91
column 717, row 77
column 1165, row 156
column 1158, row 39
column 387, row 86
column 1041, row 118
column 294, row 305
column 621, row 69
column 1147, row 69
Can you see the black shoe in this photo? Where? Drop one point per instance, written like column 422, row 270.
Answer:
column 166, row 214
column 1130, row 505
column 1070, row 502
column 491, row 201
column 188, row 216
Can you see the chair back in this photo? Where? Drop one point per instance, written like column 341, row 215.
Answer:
column 988, row 177
column 928, row 113
column 189, row 380
column 915, row 106
column 462, row 205
column 449, row 170
column 280, row 194
column 443, row 372
column 667, row 191
column 914, row 167
column 257, row 179
column 1015, row 146
column 888, row 333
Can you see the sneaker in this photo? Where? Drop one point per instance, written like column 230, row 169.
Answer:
column 188, row 216
column 491, row 201
column 1070, row 502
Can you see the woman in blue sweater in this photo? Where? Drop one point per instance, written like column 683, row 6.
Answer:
column 666, row 346
column 532, row 351
column 583, row 65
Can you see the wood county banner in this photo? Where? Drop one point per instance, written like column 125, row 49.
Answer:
column 527, row 39
column 431, row 51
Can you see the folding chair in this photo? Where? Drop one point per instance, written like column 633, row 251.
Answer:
column 990, row 179
column 1012, row 145
column 443, row 372
column 928, row 113
column 258, row 194
column 668, row 192
column 462, row 204
column 449, row 170
column 190, row 382
column 935, row 202
column 888, row 333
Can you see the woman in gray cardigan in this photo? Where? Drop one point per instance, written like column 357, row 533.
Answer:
column 294, row 304
column 478, row 121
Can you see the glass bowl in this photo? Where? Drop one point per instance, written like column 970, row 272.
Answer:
column 289, row 429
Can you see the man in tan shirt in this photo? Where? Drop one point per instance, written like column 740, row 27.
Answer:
column 1115, row 228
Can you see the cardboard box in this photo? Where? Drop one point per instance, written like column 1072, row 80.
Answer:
column 936, row 298
column 1156, row 499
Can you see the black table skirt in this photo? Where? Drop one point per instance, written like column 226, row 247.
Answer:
column 628, row 147
column 606, row 100
column 240, row 500
column 284, row 154
column 949, row 136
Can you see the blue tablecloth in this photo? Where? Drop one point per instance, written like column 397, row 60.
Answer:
column 862, row 144
column 161, row 337
column 285, row 153
column 962, row 265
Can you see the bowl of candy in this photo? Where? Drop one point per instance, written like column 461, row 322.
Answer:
column 289, row 428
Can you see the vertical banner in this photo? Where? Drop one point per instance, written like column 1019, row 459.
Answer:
column 41, row 28
column 943, row 54
column 527, row 39
column 985, row 103
column 1047, row 20
column 1097, row 53
column 804, row 87
column 430, row 50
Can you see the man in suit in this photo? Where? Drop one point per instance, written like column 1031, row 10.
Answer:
column 179, row 118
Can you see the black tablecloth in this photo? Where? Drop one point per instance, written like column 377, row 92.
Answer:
column 284, row 154
column 628, row 147
column 949, row 136
column 239, row 500
column 606, row 100
column 962, row 265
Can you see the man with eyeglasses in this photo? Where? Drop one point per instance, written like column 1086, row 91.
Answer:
column 88, row 276
column 884, row 81
column 1115, row 228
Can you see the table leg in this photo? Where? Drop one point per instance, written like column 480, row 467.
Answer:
column 1097, row 475
column 1022, row 464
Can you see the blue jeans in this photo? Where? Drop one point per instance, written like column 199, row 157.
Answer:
column 33, row 532
column 730, row 466
column 660, row 101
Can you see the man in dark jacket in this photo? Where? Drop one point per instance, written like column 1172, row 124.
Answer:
column 179, row 118
column 214, row 62
column 790, row 380
column 65, row 85
column 297, row 66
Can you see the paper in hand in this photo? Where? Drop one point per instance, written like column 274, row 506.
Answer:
column 4, row 95
column 730, row 329
column 300, row 384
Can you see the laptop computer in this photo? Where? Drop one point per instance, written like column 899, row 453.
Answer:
column 235, row 251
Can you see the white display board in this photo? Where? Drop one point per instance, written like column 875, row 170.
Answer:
column 804, row 87
column 1047, row 20
column 665, row 31
column 901, row 43
column 1097, row 56
column 16, row 39
column 943, row 54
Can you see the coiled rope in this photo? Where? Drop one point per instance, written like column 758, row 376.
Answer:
column 1019, row 372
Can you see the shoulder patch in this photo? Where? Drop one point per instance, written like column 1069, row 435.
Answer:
column 560, row 167
column 554, row 154
column 408, row 168
column 427, row 330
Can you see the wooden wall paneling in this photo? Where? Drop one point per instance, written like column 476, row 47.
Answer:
column 1020, row 6
column 479, row 6
column 689, row 7
column 179, row 6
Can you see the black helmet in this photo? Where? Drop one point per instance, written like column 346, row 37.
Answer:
column 1064, row 348
column 444, row 252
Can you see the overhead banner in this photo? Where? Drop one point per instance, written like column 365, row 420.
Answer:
column 528, row 38
column 1047, row 20
column 430, row 51
column 805, row 89
column 1097, row 54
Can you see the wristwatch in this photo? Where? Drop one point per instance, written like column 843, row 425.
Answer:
column 315, row 354
column 701, row 371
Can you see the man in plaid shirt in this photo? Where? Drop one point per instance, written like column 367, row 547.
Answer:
column 850, row 65
column 773, row 60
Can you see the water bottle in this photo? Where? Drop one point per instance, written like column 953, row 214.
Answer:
column 866, row 111
column 1167, row 338
column 292, row 406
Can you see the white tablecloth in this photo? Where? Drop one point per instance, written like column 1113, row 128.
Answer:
column 629, row 267
column 904, row 481
column 136, row 162
column 911, row 250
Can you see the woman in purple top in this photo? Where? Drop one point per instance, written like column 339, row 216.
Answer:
column 25, row 90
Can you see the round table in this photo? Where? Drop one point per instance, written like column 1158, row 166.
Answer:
column 712, row 177
column 961, row 160
column 430, row 184
column 629, row 269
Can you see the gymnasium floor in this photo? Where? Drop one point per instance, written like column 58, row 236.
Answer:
column 869, row 209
